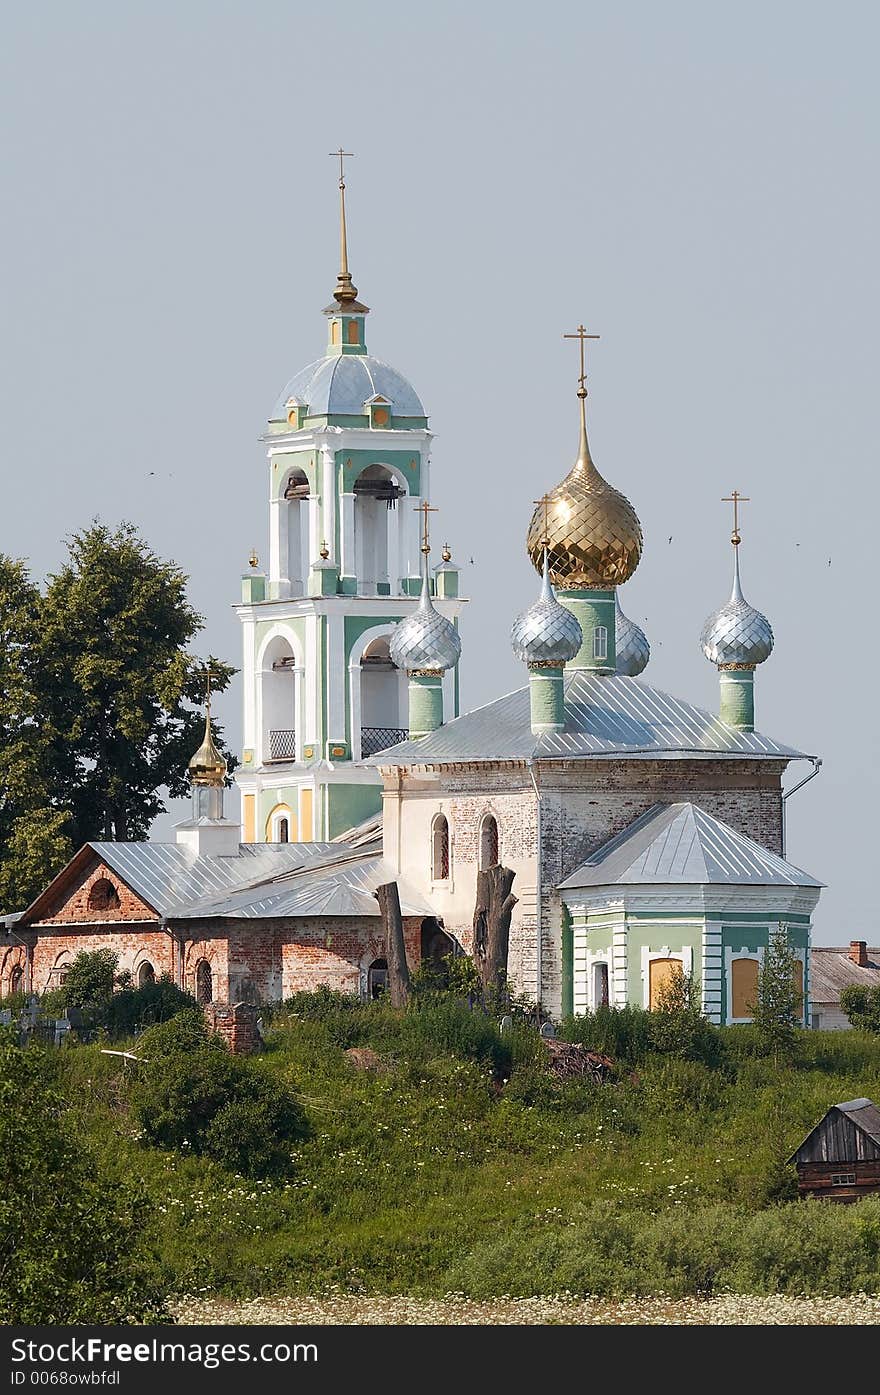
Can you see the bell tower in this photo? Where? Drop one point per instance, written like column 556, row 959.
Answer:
column 348, row 450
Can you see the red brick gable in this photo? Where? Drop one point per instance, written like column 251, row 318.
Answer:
column 87, row 891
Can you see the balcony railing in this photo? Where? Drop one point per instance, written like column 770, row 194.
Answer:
column 375, row 739
column 282, row 745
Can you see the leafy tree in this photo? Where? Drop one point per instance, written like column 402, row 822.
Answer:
column 115, row 676
column 73, row 1247
column 90, row 981
column 862, row 1007
column 677, row 1025
column 34, row 830
column 777, row 1011
column 151, row 1003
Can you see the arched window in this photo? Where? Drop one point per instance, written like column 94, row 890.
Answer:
column 743, row 987
column 204, row 982
column 600, row 985
column 103, row 896
column 384, row 702
column 279, row 695
column 16, row 979
column 377, row 531
column 440, row 849
column 145, row 974
column 600, row 642
column 283, row 831
column 488, row 842
column 353, row 335
column 296, row 494
column 661, row 974
column 377, row 979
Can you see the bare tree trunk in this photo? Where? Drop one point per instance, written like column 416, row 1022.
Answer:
column 388, row 897
column 494, row 907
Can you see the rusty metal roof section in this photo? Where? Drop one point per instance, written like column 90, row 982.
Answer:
column 605, row 716
column 832, row 970
column 849, row 1132
column 680, row 844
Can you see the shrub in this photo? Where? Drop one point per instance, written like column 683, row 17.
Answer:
column 193, row 1096
column 862, row 1006
column 624, row 1033
column 134, row 1008
column 76, row 1243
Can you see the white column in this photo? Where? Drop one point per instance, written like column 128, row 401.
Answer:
column 314, row 532
column 328, row 498
column 348, row 560
column 312, row 667
column 354, row 699
column 299, row 710
column 618, row 986
column 711, row 985
column 278, row 565
column 335, row 677
column 411, row 538
column 250, row 683
column 580, row 969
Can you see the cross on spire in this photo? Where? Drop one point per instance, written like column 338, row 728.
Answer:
column 424, row 508
column 345, row 291
column 582, row 335
column 736, row 499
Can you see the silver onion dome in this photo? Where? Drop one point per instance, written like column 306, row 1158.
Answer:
column 425, row 642
column 737, row 634
column 631, row 645
column 546, row 633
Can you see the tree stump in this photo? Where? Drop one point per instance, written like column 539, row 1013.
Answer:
column 494, row 907
column 388, row 897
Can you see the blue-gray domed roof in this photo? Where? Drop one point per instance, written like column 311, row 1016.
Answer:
column 546, row 632
column 737, row 634
column 339, row 385
column 631, row 644
column 425, row 642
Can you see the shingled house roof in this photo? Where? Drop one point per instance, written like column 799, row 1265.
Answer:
column 832, row 969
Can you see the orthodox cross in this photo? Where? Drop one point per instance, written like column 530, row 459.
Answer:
column 341, row 155
column 581, row 334
column 424, row 508
column 736, row 499
column 545, row 499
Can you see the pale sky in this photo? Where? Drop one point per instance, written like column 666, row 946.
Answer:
column 697, row 182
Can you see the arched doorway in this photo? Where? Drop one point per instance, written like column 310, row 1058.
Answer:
column 377, row 979
column 204, row 982
column 600, row 985
column 145, row 974
column 377, row 531
column 384, row 701
column 279, row 700
column 743, row 987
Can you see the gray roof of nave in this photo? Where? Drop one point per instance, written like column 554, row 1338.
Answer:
column 605, row 716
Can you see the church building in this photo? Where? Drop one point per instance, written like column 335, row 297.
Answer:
column 644, row 832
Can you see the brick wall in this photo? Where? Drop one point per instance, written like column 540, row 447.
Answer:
column 134, row 945
column 71, row 904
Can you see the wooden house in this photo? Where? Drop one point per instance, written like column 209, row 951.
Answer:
column 840, row 1158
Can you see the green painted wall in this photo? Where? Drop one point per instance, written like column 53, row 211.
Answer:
column 592, row 608
column 547, row 699
column 349, row 805
column 738, row 698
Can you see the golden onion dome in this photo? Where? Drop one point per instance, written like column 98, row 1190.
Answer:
column 592, row 531
column 207, row 766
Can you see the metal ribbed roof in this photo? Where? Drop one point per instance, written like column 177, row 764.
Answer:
column 339, row 385
column 171, row 878
column 344, row 888
column 605, row 716
column 681, row 844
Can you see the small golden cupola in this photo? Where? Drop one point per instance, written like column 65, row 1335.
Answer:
column 593, row 534
column 207, row 766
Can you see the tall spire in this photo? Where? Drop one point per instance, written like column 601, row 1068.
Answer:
column 345, row 293
column 584, row 459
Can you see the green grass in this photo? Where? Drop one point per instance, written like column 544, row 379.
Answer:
column 431, row 1175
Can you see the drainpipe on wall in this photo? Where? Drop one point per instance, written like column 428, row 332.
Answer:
column 539, row 986
column 817, row 765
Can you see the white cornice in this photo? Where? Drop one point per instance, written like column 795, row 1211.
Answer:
column 345, row 437
column 707, row 900
column 296, row 607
